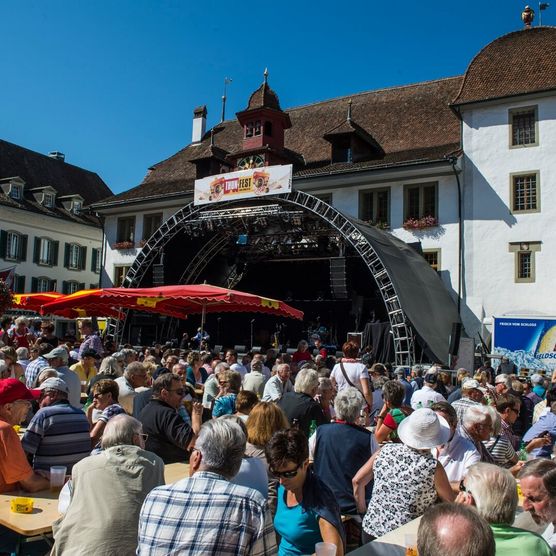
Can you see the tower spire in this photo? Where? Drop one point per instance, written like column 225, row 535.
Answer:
column 265, row 74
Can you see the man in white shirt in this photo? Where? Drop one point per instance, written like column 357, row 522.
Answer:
column 278, row 385
column 231, row 359
column 135, row 376
column 537, row 480
column 459, row 453
column 427, row 395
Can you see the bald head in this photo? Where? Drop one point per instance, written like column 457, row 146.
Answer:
column 454, row 530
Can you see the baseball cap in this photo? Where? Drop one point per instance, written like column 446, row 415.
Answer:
column 470, row 384
column 431, row 378
column 57, row 352
column 54, row 383
column 12, row 390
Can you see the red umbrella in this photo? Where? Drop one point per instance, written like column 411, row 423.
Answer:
column 174, row 301
column 34, row 301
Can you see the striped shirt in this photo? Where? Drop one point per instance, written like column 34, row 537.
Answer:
column 205, row 514
column 461, row 406
column 57, row 435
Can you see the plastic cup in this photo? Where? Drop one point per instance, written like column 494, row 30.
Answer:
column 410, row 544
column 57, row 477
column 325, row 549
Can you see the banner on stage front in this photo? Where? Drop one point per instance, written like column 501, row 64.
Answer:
column 244, row 184
column 529, row 342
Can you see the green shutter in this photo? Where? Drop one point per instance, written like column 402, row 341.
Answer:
column 94, row 256
column 65, row 287
column 83, row 258
column 81, row 285
column 67, row 255
column 34, row 285
column 23, row 247
column 37, row 250
column 52, row 285
column 3, row 243
column 20, row 284
column 54, row 253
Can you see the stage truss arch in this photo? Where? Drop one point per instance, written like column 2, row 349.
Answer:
column 402, row 331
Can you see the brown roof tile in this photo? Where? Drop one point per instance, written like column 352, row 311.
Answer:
column 409, row 123
column 519, row 62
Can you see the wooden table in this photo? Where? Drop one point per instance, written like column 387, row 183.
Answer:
column 391, row 544
column 175, row 471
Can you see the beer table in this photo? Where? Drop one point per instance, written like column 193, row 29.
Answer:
column 391, row 544
column 175, row 471
column 36, row 524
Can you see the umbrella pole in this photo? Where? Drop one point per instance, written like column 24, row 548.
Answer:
column 203, row 317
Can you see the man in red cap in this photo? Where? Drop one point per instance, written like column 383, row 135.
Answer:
column 15, row 470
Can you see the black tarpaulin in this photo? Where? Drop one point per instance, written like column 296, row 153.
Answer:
column 423, row 297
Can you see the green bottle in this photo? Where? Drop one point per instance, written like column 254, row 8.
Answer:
column 312, row 427
column 522, row 454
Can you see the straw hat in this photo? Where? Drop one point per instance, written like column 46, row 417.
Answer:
column 424, row 429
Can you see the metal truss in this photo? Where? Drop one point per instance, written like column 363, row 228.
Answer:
column 191, row 215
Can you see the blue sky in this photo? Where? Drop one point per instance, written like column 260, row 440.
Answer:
column 113, row 84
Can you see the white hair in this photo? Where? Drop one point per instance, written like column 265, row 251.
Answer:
column 348, row 404
column 494, row 492
column 306, row 381
column 22, row 353
column 119, row 430
column 222, row 445
column 476, row 414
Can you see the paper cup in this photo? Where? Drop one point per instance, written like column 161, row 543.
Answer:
column 57, row 477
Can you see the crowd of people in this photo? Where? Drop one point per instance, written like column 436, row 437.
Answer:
column 284, row 450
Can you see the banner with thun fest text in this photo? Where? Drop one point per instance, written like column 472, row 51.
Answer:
column 243, row 184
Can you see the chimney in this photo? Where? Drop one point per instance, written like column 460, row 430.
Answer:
column 199, row 123
column 57, row 155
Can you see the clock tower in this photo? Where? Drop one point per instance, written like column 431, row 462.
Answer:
column 263, row 123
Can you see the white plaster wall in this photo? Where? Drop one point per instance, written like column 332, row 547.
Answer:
column 63, row 231
column 490, row 226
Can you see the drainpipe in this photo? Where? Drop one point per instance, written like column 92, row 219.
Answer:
column 453, row 160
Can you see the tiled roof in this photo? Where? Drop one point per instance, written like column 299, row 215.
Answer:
column 412, row 122
column 517, row 63
column 39, row 170
column 264, row 97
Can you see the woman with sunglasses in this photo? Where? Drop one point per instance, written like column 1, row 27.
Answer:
column 105, row 400
column 230, row 385
column 307, row 512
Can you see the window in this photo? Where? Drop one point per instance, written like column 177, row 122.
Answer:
column 151, row 223
column 48, row 200
column 126, row 229
column 42, row 284
column 421, row 200
column 71, row 286
column 525, row 192
column 374, row 206
column 119, row 275
column 45, row 251
column 432, row 256
column 74, row 256
column 96, row 262
column 16, row 191
column 252, row 129
column 76, row 207
column 268, row 128
column 13, row 246
column 523, row 127
column 524, row 253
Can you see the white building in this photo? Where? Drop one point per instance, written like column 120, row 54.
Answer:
column 45, row 233
column 463, row 165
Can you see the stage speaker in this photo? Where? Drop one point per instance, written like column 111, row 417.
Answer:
column 158, row 274
column 338, row 284
column 454, row 338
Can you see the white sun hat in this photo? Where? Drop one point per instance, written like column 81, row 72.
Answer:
column 424, row 429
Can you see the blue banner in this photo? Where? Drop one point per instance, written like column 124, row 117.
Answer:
column 530, row 343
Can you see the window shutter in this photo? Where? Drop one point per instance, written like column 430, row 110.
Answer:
column 81, row 285
column 52, row 285
column 67, row 255
column 20, row 284
column 3, row 243
column 23, row 248
column 94, row 256
column 65, row 287
column 54, row 253
column 83, row 258
column 37, row 250
column 34, row 285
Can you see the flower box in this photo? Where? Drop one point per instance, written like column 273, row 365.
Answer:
column 420, row 223
column 123, row 245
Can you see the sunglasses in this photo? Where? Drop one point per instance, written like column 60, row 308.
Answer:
column 223, row 382
column 285, row 474
column 462, row 487
column 143, row 436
